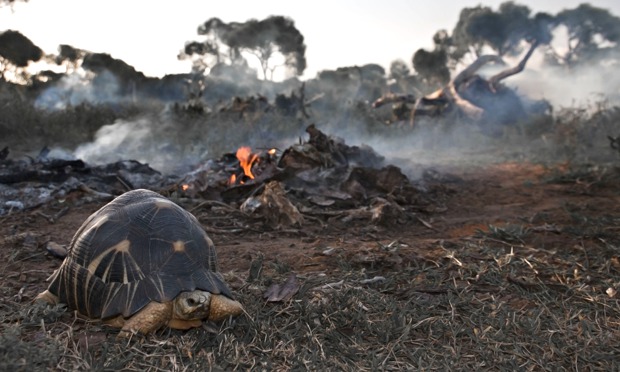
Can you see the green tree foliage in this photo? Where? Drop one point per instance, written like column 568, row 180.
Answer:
column 17, row 51
column 399, row 70
column 225, row 42
column 126, row 75
column 69, row 56
column 479, row 30
column 502, row 30
column 401, row 79
column 432, row 67
column 350, row 84
column 274, row 34
column 593, row 34
column 217, row 48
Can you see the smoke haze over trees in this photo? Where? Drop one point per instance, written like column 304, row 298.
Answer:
column 225, row 43
column 583, row 35
column 592, row 36
column 234, row 63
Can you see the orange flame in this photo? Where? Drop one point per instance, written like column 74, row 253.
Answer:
column 246, row 159
column 185, row 187
column 232, row 180
column 272, row 152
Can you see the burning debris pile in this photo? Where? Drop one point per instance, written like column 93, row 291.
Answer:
column 322, row 177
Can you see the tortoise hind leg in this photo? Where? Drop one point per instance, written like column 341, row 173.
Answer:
column 152, row 317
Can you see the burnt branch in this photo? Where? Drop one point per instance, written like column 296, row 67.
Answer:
column 474, row 67
column 393, row 98
column 495, row 79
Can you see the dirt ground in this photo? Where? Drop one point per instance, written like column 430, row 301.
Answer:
column 510, row 266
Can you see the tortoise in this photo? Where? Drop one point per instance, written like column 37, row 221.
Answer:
column 142, row 262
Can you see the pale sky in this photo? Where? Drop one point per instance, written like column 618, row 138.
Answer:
column 149, row 34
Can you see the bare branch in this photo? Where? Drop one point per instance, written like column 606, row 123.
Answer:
column 495, row 79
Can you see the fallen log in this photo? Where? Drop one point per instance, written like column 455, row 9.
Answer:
column 488, row 101
column 470, row 95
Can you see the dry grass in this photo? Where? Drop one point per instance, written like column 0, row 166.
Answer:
column 28, row 128
column 484, row 303
column 494, row 301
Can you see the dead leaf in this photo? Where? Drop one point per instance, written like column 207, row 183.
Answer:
column 285, row 292
column 91, row 341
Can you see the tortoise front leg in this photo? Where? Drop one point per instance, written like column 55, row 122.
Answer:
column 152, row 317
column 47, row 296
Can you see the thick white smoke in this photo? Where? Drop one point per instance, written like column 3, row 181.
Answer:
column 581, row 86
column 170, row 145
column 139, row 140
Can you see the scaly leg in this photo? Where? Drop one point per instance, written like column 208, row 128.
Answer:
column 152, row 317
column 48, row 297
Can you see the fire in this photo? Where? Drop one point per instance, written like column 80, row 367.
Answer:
column 185, row 187
column 246, row 159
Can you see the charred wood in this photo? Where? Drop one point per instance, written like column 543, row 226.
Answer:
column 495, row 79
column 4, row 153
column 483, row 101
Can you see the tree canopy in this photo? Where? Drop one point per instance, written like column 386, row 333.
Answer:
column 478, row 30
column 17, row 49
column 593, row 33
column 502, row 30
column 432, row 66
column 225, row 42
column 592, row 36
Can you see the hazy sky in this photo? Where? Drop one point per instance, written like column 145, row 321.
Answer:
column 337, row 33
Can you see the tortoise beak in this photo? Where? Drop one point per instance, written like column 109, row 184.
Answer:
column 223, row 307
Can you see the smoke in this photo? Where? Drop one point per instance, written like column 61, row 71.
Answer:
column 75, row 89
column 429, row 143
column 174, row 141
column 139, row 140
column 588, row 81
column 580, row 86
column 174, row 145
column 575, row 134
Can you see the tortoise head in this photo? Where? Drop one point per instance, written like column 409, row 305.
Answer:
column 204, row 305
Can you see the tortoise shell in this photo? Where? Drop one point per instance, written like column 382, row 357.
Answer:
column 141, row 247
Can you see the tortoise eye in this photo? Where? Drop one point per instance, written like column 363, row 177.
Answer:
column 191, row 302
